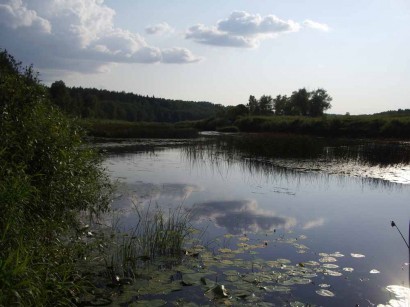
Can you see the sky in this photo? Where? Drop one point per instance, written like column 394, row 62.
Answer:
column 220, row 51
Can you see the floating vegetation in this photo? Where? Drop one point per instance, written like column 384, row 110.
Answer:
column 324, row 292
column 348, row 269
column 330, row 266
column 357, row 255
column 328, row 259
column 332, row 273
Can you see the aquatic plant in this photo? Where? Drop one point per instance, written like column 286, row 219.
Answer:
column 156, row 234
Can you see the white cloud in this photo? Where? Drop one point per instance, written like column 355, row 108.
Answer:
column 159, row 29
column 15, row 15
column 178, row 55
column 75, row 35
column 316, row 25
column 241, row 29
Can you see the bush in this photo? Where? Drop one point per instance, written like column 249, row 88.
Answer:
column 47, row 177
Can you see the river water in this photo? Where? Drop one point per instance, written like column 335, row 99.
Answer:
column 320, row 227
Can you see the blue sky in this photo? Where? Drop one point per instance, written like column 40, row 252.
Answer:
column 219, row 51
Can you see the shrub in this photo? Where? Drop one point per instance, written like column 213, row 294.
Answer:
column 47, row 177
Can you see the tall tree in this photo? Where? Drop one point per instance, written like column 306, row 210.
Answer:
column 319, row 102
column 281, row 104
column 266, row 105
column 300, row 101
column 253, row 105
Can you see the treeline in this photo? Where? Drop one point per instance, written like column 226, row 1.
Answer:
column 399, row 112
column 301, row 102
column 112, row 105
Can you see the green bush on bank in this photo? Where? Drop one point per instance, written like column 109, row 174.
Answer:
column 46, row 178
column 372, row 126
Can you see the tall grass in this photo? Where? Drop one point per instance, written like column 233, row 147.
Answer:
column 123, row 129
column 157, row 234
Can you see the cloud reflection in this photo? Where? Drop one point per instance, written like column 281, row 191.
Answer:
column 239, row 216
column 314, row 223
column 143, row 193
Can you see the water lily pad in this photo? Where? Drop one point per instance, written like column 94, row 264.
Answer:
column 192, row 279
column 149, row 303
column 297, row 304
column 374, row 271
column 324, row 292
column 357, row 255
column 225, row 250
column 330, row 266
column 311, row 263
column 296, row 281
column 348, row 269
column 337, row 255
column 332, row 273
column 216, row 292
column 328, row 259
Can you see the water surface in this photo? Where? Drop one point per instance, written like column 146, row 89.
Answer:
column 334, row 212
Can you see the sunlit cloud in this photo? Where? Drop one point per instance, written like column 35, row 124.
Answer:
column 76, row 35
column 241, row 29
column 159, row 29
column 316, row 25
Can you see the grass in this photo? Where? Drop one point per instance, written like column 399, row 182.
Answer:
column 156, row 234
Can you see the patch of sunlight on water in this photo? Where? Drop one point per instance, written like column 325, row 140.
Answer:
column 397, row 173
column 401, row 296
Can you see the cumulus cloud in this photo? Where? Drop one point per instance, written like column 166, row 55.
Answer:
column 178, row 55
column 159, row 29
column 76, row 35
column 241, row 29
column 316, row 25
column 14, row 15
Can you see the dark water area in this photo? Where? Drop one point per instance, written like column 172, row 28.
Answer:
column 310, row 227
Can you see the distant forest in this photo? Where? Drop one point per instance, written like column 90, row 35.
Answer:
column 104, row 104
column 112, row 105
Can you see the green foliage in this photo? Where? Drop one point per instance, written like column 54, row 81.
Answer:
column 47, row 177
column 111, row 105
column 301, row 102
column 333, row 126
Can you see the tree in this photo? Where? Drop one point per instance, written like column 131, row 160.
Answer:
column 300, row 102
column 60, row 95
column 319, row 102
column 253, row 105
column 265, row 105
column 280, row 104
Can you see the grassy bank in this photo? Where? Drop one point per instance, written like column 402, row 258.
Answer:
column 123, row 129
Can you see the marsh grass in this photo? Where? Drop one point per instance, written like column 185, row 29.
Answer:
column 123, row 129
column 158, row 234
